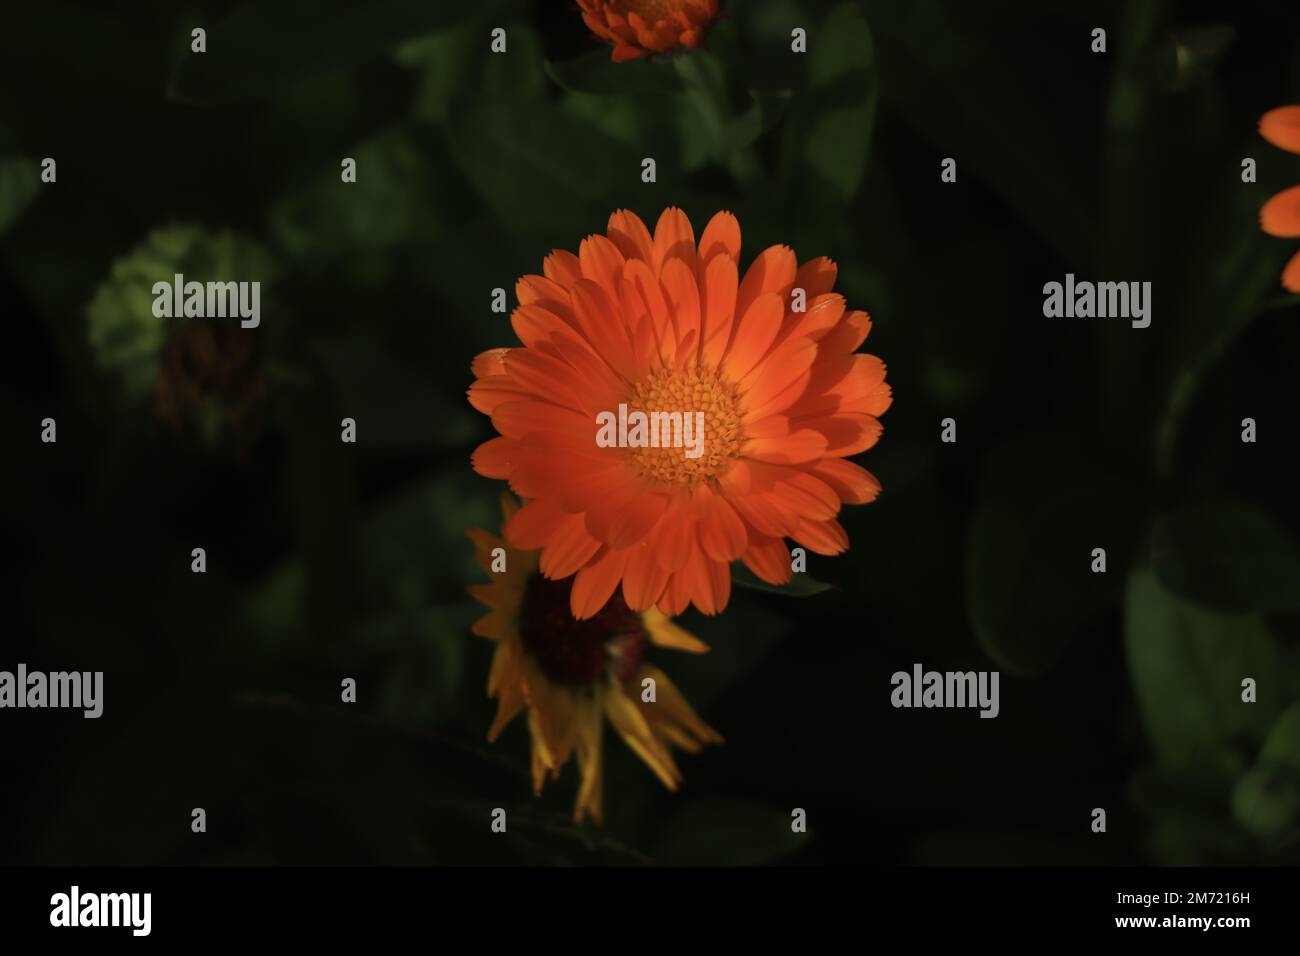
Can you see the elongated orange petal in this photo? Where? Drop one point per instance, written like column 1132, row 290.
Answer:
column 1291, row 274
column 1281, row 214
column 1281, row 127
column 721, row 235
column 754, row 335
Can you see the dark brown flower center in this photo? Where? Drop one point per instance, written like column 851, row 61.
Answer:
column 579, row 652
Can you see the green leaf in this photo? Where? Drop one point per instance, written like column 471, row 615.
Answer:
column 595, row 72
column 832, row 137
column 328, row 223
column 1282, row 748
column 262, row 47
column 1228, row 555
column 536, row 165
column 1030, row 589
column 1266, row 802
column 721, row 832
column 801, row 585
column 1187, row 663
column 766, row 111
column 19, row 180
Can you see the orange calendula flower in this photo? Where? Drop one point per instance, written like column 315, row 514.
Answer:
column 1281, row 214
column 761, row 373
column 641, row 27
column 571, row 676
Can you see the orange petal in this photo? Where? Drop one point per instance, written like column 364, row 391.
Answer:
column 823, row 314
column 769, row 559
column 534, row 323
column 562, row 267
column 722, row 534
column 601, row 262
column 628, row 232
column 709, row 582
column 721, row 235
column 754, row 335
column 544, row 375
column 773, row 271
column 683, row 297
column 816, row 277
column 853, row 483
column 530, row 290
column 1291, row 274
column 643, row 580
column 491, row 362
column 774, row 374
column 1281, row 127
column 717, row 307
column 674, row 239
column 494, row 458
column 593, row 585
column 848, row 335
column 804, row 444
column 824, row 537
column 846, row 434
column 569, row 548
column 532, row 525
column 1281, row 214
column 601, row 321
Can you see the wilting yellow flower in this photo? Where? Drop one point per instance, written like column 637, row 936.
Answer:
column 572, row 675
column 640, row 27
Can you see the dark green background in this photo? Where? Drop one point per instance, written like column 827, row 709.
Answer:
column 328, row 560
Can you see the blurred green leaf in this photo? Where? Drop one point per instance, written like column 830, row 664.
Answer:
column 1228, row 555
column 443, row 61
column 1282, row 747
column 537, row 166
column 720, row 832
column 1266, row 801
column 801, row 585
column 1187, row 663
column 248, row 55
column 1030, row 589
column 595, row 72
column 766, row 111
column 19, row 180
column 1228, row 286
column 838, row 108
column 329, row 224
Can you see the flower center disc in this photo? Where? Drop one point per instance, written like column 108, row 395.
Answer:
column 579, row 653
column 681, row 393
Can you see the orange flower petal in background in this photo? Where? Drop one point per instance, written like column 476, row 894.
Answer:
column 1280, row 216
column 1281, row 127
column 641, row 27
column 658, row 324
